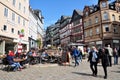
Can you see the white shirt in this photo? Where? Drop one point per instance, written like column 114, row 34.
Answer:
column 94, row 56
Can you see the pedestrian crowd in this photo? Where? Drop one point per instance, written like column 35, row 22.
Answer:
column 95, row 56
column 65, row 57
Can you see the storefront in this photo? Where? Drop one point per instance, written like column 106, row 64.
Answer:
column 5, row 44
column 25, row 44
column 101, row 44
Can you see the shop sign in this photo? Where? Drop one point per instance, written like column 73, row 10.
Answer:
column 99, row 42
column 92, row 43
column 115, row 41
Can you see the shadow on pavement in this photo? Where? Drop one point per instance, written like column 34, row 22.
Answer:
column 116, row 71
column 86, row 74
column 99, row 65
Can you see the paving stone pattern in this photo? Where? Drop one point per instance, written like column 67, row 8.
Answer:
column 55, row 72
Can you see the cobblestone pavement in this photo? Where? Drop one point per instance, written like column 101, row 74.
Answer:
column 55, row 72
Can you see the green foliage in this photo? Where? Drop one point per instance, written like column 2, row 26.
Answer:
column 38, row 42
column 22, row 30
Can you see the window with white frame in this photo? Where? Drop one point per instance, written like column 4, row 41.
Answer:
column 80, row 20
column 95, row 9
column 112, row 6
column 86, row 13
column 13, row 16
column 97, row 30
column 12, row 30
column 23, row 22
column 105, row 16
column 85, row 24
column 14, row 1
column 91, row 10
column 5, row 28
column 19, row 6
column 5, row 12
column 90, row 22
column 19, row 19
column 90, row 32
column 104, row 4
column 18, row 32
column 24, row 9
column 96, row 19
column 115, row 29
column 85, row 33
column 106, row 27
column 113, row 17
column 78, row 38
column 76, row 22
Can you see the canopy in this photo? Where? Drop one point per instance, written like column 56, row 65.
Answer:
column 76, row 44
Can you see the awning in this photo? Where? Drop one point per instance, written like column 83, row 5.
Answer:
column 76, row 44
column 22, row 41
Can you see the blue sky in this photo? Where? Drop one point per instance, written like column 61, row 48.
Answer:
column 53, row 9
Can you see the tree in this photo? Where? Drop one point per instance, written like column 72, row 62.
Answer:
column 39, row 42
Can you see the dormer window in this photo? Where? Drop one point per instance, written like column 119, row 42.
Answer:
column 86, row 13
column 104, row 4
column 112, row 7
column 95, row 8
column 96, row 19
column 91, row 10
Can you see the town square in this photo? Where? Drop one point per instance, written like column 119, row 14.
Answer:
column 59, row 40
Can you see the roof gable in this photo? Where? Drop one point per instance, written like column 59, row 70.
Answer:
column 77, row 14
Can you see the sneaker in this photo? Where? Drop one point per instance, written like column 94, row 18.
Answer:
column 105, row 77
column 14, row 70
column 19, row 69
column 95, row 75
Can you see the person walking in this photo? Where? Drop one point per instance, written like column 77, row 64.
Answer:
column 115, row 54
column 80, row 55
column 104, row 60
column 75, row 54
column 110, row 50
column 93, row 58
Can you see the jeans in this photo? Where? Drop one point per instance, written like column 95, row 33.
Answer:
column 76, row 60
column 80, row 57
column 115, row 59
column 16, row 65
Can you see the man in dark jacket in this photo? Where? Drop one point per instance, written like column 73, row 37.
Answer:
column 105, row 60
column 93, row 58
